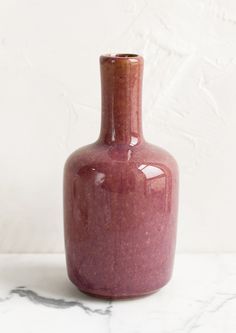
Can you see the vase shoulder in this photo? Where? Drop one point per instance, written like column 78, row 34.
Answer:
column 124, row 155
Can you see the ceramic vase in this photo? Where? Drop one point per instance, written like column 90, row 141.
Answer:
column 120, row 196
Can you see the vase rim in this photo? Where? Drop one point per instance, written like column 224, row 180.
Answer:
column 133, row 57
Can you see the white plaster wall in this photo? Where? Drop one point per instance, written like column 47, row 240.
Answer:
column 50, row 105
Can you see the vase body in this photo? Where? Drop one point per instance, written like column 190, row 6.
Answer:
column 120, row 196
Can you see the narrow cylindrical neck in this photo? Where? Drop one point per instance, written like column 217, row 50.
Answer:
column 121, row 82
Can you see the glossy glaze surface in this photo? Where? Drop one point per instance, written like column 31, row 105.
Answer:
column 120, row 196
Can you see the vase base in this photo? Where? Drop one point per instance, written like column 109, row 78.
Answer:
column 119, row 297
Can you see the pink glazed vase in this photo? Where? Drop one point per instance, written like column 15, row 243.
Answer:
column 120, row 196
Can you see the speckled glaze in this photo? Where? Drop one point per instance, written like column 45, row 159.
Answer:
column 120, row 196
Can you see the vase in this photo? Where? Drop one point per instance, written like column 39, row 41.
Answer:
column 120, row 196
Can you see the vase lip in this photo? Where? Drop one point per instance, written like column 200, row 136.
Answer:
column 123, row 57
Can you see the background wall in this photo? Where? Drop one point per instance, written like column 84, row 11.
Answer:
column 50, row 105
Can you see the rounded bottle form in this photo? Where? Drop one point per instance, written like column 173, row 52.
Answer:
column 120, row 196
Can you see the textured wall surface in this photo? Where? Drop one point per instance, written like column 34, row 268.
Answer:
column 50, row 105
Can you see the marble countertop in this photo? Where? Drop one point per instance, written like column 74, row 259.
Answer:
column 36, row 296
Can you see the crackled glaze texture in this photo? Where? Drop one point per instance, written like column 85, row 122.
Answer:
column 120, row 196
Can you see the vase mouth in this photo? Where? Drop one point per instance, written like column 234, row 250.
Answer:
column 124, row 57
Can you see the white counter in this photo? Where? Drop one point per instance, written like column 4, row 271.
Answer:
column 37, row 297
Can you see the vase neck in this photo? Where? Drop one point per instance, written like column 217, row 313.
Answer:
column 121, row 83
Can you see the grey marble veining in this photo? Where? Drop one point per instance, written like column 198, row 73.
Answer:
column 35, row 298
